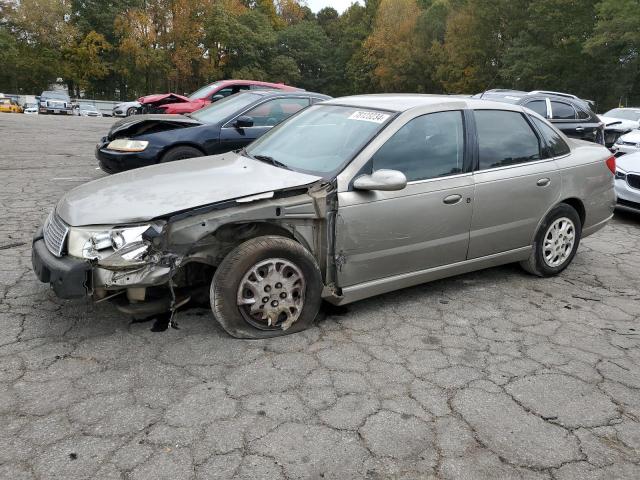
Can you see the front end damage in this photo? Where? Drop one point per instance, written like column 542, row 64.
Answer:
column 174, row 259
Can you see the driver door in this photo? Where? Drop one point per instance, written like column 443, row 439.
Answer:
column 425, row 225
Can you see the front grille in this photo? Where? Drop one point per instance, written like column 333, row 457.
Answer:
column 633, row 181
column 55, row 234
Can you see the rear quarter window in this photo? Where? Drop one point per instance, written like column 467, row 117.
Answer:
column 554, row 141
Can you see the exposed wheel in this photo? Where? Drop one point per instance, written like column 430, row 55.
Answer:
column 132, row 111
column 180, row 153
column 266, row 287
column 556, row 242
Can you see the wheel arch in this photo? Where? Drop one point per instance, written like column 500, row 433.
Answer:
column 182, row 143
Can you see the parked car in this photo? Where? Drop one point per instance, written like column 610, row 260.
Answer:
column 87, row 110
column 8, row 105
column 627, row 143
column 172, row 103
column 614, row 128
column 227, row 125
column 126, row 109
column 55, row 102
column 628, row 182
column 567, row 112
column 30, row 108
column 631, row 114
column 350, row 198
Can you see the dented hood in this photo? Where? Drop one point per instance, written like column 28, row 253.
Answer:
column 145, row 193
column 137, row 124
column 163, row 97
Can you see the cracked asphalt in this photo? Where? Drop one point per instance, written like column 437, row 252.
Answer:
column 494, row 374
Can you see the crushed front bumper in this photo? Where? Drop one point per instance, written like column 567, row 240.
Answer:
column 68, row 277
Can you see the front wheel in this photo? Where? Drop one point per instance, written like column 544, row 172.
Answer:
column 132, row 111
column 266, row 287
column 180, row 153
column 556, row 242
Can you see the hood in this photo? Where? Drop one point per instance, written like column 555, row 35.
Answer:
column 145, row 193
column 633, row 137
column 620, row 124
column 164, row 98
column 629, row 162
column 140, row 124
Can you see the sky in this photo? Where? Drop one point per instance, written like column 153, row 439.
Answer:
column 339, row 5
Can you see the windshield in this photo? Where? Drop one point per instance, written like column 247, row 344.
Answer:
column 624, row 114
column 223, row 109
column 204, row 91
column 321, row 138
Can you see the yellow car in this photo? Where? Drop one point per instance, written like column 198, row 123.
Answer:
column 9, row 106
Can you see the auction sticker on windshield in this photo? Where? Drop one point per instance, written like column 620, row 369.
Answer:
column 375, row 117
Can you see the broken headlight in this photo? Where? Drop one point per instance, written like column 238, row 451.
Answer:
column 100, row 244
column 125, row 145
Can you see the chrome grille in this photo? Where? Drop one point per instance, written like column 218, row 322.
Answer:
column 55, row 234
column 633, row 180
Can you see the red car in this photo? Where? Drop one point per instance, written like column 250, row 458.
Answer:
column 174, row 103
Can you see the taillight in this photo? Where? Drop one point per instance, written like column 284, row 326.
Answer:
column 611, row 164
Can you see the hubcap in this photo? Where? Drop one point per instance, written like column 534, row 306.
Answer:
column 558, row 242
column 271, row 294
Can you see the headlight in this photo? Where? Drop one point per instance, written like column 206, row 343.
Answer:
column 97, row 245
column 124, row 145
column 620, row 174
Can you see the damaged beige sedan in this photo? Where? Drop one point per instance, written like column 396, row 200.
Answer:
column 350, row 198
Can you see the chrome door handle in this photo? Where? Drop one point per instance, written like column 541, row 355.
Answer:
column 579, row 129
column 451, row 199
column 543, row 182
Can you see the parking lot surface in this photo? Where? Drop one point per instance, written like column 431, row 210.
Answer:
column 494, row 374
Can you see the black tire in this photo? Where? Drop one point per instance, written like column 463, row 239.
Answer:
column 132, row 111
column 536, row 264
column 180, row 153
column 226, row 281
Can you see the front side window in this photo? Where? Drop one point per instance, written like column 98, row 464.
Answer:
column 505, row 138
column 557, row 145
column 321, row 139
column 275, row 111
column 538, row 106
column 429, row 146
column 562, row 111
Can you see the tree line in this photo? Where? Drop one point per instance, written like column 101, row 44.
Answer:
column 126, row 48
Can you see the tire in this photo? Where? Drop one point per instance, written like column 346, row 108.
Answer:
column 546, row 261
column 237, row 267
column 180, row 153
column 131, row 111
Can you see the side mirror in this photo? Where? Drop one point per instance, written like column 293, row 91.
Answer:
column 384, row 180
column 243, row 122
column 215, row 98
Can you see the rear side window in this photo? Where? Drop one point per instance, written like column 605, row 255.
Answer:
column 429, row 146
column 557, row 145
column 538, row 106
column 505, row 138
column 562, row 111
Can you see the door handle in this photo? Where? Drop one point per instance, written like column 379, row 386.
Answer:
column 579, row 129
column 451, row 199
column 543, row 182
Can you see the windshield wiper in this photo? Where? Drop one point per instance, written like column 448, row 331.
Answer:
column 271, row 160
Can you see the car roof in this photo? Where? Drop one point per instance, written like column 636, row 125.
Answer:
column 286, row 93
column 253, row 82
column 401, row 102
column 633, row 109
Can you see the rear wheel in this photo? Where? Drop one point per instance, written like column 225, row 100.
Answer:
column 266, row 287
column 556, row 242
column 180, row 153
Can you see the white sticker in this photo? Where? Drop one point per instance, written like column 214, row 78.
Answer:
column 375, row 117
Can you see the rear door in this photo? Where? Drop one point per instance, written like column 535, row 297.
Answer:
column 516, row 183
column 574, row 123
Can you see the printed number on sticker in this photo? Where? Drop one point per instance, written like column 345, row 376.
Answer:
column 375, row 117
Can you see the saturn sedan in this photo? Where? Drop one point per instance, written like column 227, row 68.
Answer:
column 226, row 125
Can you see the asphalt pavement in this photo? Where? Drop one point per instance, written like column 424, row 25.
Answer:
column 490, row 375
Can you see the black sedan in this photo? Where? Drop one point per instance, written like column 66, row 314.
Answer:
column 570, row 114
column 226, row 125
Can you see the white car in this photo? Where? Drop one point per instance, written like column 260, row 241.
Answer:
column 627, row 143
column 30, row 108
column 87, row 110
column 614, row 128
column 628, row 181
column 126, row 109
column 632, row 114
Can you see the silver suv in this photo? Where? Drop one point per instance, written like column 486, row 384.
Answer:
column 349, row 198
